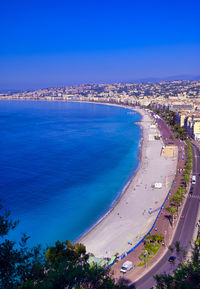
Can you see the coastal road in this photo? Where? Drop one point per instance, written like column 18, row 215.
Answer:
column 184, row 231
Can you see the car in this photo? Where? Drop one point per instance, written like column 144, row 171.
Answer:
column 193, row 180
column 172, row 259
column 127, row 266
column 191, row 191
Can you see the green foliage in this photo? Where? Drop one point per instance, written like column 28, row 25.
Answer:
column 151, row 246
column 155, row 238
column 6, row 224
column 186, row 178
column 170, row 118
column 171, row 248
column 178, row 197
column 172, row 137
column 64, row 265
column 18, row 264
column 172, row 210
column 180, row 132
column 188, row 166
column 186, row 276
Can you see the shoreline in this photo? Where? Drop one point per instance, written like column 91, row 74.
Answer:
column 117, row 200
column 95, row 233
column 110, row 233
column 132, row 174
column 123, row 191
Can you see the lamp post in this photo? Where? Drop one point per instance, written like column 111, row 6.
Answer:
column 145, row 256
column 165, row 235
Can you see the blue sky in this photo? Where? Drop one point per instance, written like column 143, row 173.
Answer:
column 49, row 43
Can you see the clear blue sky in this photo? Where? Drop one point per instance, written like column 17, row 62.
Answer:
column 48, row 43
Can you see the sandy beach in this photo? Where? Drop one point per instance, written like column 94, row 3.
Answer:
column 130, row 219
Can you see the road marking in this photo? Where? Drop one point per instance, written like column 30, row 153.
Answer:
column 194, row 197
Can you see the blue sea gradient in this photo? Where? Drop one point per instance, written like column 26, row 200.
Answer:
column 63, row 165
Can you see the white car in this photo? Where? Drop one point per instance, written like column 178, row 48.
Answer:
column 126, row 266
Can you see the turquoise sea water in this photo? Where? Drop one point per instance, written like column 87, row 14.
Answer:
column 63, row 165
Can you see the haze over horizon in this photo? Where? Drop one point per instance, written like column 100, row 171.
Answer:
column 144, row 80
column 55, row 43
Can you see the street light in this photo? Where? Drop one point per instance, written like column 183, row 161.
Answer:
column 165, row 235
column 145, row 256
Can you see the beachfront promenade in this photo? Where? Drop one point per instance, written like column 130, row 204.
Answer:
column 184, row 231
column 130, row 219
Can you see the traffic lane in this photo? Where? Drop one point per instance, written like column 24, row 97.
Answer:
column 196, row 163
column 163, row 266
column 160, row 268
column 162, row 125
column 185, row 230
column 183, row 234
column 189, row 221
column 165, row 128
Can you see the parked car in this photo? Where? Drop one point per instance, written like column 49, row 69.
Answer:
column 126, row 266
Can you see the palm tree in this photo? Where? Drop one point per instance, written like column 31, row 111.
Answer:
column 177, row 199
column 172, row 210
column 186, row 178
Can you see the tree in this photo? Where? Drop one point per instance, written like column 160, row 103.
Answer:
column 64, row 265
column 67, row 266
column 186, row 178
column 172, row 210
column 186, row 276
column 17, row 262
column 156, row 238
column 178, row 198
column 164, row 281
column 149, row 247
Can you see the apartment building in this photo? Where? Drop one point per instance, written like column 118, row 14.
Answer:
column 192, row 125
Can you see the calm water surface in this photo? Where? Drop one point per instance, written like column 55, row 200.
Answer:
column 63, row 164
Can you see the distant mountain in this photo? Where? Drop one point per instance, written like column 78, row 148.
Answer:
column 146, row 79
column 169, row 78
column 10, row 91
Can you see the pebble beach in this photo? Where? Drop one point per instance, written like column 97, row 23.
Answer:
column 134, row 213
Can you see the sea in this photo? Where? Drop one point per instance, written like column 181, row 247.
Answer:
column 64, row 165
